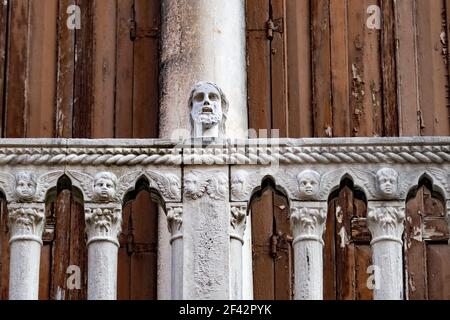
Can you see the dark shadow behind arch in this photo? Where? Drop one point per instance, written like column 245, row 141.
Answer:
column 138, row 253
column 273, row 261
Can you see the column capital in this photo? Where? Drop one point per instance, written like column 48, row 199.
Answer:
column 385, row 220
column 238, row 220
column 175, row 220
column 308, row 220
column 103, row 222
column 26, row 221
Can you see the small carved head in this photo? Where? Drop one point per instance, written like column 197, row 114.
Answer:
column 387, row 180
column 193, row 187
column 238, row 182
column 105, row 185
column 308, row 183
column 25, row 185
column 209, row 106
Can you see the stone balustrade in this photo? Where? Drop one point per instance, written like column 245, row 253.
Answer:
column 205, row 187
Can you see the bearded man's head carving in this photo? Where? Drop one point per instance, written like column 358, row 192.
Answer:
column 209, row 108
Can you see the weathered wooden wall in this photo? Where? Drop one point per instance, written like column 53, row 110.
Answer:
column 322, row 73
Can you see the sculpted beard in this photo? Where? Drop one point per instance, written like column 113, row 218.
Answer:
column 207, row 118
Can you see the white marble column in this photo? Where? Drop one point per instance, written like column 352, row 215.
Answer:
column 26, row 225
column 238, row 221
column 103, row 227
column 202, row 40
column 175, row 225
column 385, row 221
column 308, row 221
column 448, row 217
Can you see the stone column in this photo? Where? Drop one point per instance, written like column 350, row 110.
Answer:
column 26, row 225
column 202, row 40
column 175, row 224
column 237, row 227
column 103, row 226
column 308, row 220
column 385, row 221
column 448, row 217
column 206, row 237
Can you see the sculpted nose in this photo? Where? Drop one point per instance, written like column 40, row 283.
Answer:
column 206, row 103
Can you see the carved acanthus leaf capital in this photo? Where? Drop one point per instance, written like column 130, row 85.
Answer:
column 385, row 221
column 175, row 218
column 103, row 222
column 238, row 220
column 308, row 221
column 26, row 221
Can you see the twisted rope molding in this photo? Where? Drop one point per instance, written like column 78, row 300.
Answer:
column 436, row 154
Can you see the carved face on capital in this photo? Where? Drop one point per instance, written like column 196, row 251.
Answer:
column 25, row 185
column 238, row 182
column 387, row 181
column 105, row 186
column 308, row 183
column 191, row 185
column 208, row 105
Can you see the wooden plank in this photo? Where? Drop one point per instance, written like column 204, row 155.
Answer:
column 258, row 70
column 104, row 68
column 329, row 255
column 283, row 263
column 340, row 68
column 83, row 82
column 18, row 50
column 3, row 58
column 143, row 267
column 124, row 72
column 364, row 72
column 433, row 72
column 279, row 70
column 388, row 66
column 41, row 85
column 321, row 69
column 363, row 260
column 406, row 61
column 61, row 247
column 299, row 68
column 146, row 73
column 438, row 258
column 65, row 73
column 415, row 250
column 123, row 269
column 263, row 266
column 345, row 250
column 45, row 267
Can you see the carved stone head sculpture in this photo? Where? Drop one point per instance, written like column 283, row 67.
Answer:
column 209, row 108
column 105, row 186
column 239, row 183
column 308, row 184
column 387, row 180
column 193, row 186
column 25, row 185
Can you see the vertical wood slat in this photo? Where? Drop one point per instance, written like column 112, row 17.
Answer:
column 104, row 68
column 321, row 69
column 389, row 69
column 3, row 57
column 65, row 73
column 41, row 78
column 279, row 89
column 263, row 266
column 299, row 68
column 258, row 50
column 283, row 262
column 340, row 68
column 406, row 61
column 433, row 71
column 83, row 88
column 18, row 50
